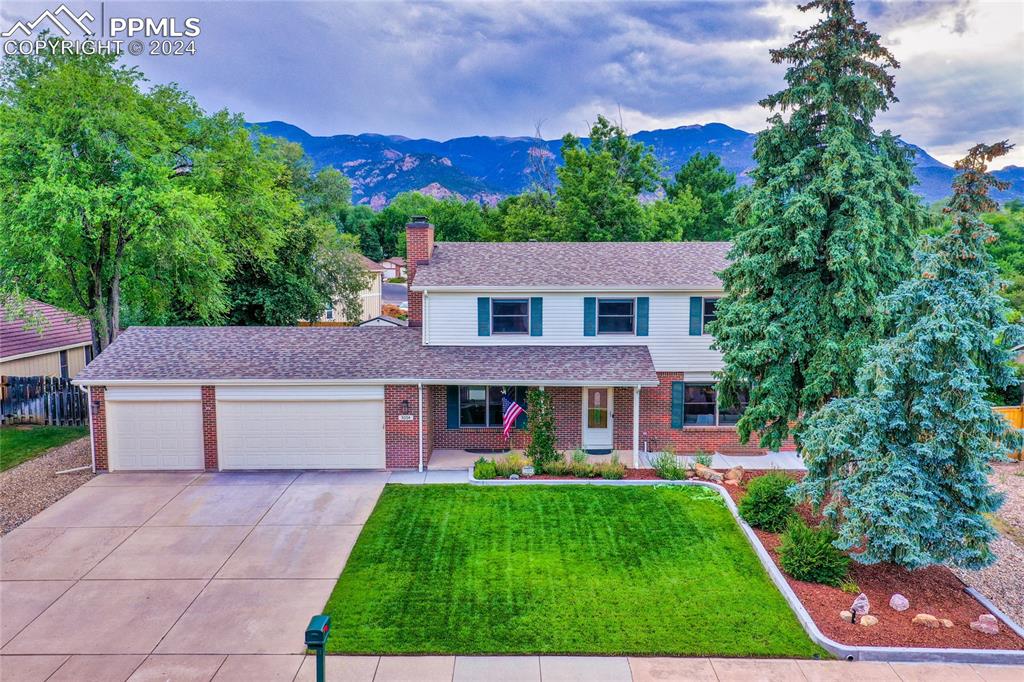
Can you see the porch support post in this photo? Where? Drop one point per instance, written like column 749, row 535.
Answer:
column 419, row 422
column 636, row 427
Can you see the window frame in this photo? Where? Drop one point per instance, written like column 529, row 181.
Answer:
column 488, row 404
column 611, row 299
column 704, row 313
column 717, row 409
column 526, row 315
column 65, row 368
column 88, row 354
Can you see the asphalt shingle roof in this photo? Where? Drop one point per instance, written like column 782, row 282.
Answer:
column 657, row 265
column 352, row 354
column 58, row 329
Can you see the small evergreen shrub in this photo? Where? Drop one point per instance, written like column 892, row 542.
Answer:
column 483, row 470
column 666, row 466
column 540, row 425
column 768, row 504
column 808, row 554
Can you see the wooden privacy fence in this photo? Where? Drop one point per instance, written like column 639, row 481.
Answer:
column 1014, row 415
column 52, row 401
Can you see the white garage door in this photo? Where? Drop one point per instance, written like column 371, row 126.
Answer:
column 154, row 429
column 300, row 427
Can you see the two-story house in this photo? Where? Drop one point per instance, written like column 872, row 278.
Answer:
column 623, row 352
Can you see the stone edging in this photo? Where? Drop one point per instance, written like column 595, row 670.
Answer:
column 837, row 649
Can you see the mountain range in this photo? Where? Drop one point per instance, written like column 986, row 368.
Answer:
column 486, row 169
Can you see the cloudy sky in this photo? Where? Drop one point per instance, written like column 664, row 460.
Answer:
column 498, row 68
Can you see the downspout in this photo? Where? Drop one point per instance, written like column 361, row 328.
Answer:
column 92, row 434
column 419, row 404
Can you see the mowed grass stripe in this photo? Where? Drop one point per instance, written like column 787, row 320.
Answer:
column 558, row 569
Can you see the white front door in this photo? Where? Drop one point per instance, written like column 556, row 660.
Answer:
column 597, row 419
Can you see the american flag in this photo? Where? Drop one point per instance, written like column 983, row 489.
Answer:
column 512, row 411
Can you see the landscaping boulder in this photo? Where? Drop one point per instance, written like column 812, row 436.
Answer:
column 986, row 623
column 868, row 621
column 734, row 476
column 860, row 605
column 846, row 616
column 927, row 620
column 946, row 622
column 899, row 603
column 707, row 473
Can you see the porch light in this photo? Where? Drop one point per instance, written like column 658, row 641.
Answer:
column 405, row 407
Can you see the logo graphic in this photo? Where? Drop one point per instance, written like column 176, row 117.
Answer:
column 52, row 17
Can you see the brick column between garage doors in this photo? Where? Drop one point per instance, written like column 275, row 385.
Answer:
column 98, row 411
column 209, row 395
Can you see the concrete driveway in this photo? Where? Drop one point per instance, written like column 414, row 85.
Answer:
column 177, row 574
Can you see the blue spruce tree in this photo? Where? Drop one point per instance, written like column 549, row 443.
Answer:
column 901, row 466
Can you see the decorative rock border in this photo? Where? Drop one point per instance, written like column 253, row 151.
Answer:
column 837, row 649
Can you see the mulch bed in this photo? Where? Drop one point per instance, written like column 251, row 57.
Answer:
column 935, row 590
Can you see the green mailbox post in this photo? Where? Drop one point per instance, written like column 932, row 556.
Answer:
column 316, row 639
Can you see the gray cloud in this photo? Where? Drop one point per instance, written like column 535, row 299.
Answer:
column 450, row 69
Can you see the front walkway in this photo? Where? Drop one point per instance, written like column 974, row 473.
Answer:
column 297, row 668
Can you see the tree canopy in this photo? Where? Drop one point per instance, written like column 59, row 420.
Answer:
column 829, row 225
column 902, row 465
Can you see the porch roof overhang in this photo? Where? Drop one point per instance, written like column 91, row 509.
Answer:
column 352, row 355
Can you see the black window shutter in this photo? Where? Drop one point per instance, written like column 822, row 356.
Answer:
column 678, row 405
column 453, row 407
column 696, row 315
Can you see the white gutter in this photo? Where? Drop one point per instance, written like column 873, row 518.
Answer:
column 92, row 435
column 591, row 381
column 600, row 289
column 419, row 404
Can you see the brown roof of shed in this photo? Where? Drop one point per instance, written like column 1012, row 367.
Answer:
column 352, row 354
column 372, row 266
column 59, row 329
column 656, row 265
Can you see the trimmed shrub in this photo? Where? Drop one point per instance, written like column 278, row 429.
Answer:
column 768, row 504
column 583, row 469
column 559, row 467
column 808, row 554
column 484, row 470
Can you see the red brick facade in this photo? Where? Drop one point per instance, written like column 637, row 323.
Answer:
column 419, row 245
column 401, row 436
column 97, row 398
column 209, row 397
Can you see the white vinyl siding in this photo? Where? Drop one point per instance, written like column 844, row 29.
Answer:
column 300, row 427
column 451, row 320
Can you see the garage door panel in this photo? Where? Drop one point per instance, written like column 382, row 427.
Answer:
column 154, row 435
column 291, row 434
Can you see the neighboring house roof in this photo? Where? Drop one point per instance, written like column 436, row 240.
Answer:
column 59, row 329
column 397, row 260
column 539, row 265
column 385, row 318
column 370, row 265
column 370, row 354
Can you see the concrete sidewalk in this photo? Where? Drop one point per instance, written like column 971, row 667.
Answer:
column 297, row 668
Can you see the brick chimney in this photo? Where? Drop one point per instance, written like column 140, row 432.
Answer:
column 419, row 245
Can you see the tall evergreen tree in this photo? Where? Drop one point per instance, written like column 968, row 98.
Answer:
column 902, row 466
column 829, row 225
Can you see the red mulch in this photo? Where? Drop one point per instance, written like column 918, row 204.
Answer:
column 933, row 590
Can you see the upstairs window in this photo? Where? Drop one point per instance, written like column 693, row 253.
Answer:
column 329, row 312
column 710, row 306
column 615, row 315
column 510, row 316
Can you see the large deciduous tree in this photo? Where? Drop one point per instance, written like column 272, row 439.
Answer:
column 94, row 189
column 705, row 180
column 830, row 223
column 902, row 466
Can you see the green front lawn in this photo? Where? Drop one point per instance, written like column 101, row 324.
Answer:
column 460, row 569
column 20, row 443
